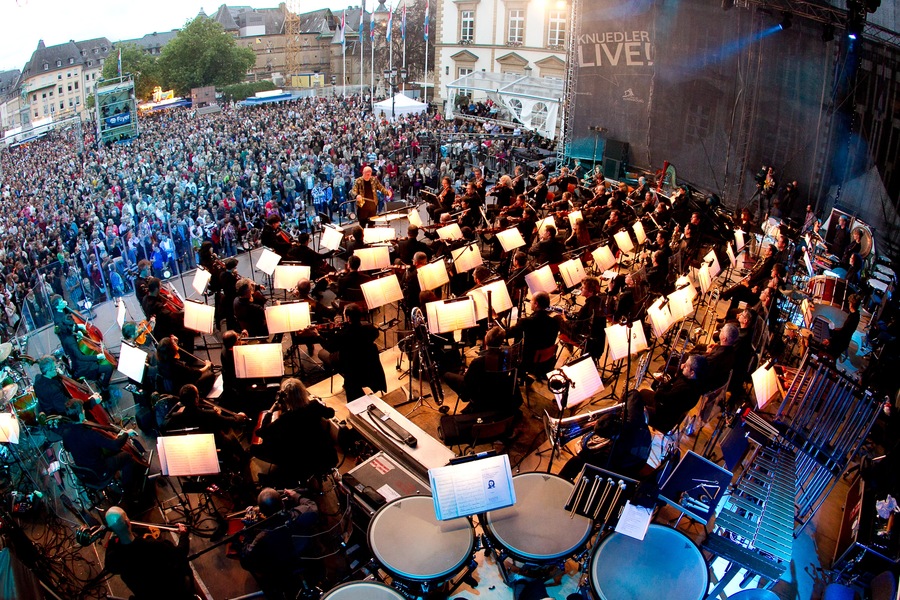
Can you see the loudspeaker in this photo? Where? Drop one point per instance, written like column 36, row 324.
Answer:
column 615, row 158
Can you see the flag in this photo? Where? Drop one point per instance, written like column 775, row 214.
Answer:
column 390, row 26
column 120, row 62
column 403, row 22
column 362, row 14
column 344, row 31
column 427, row 7
column 372, row 27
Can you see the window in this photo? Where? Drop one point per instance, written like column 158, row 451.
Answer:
column 556, row 28
column 516, row 106
column 46, row 66
column 467, row 25
column 70, row 89
column 538, row 115
column 34, row 97
column 44, row 95
column 76, row 85
column 95, row 50
column 35, row 114
column 516, row 22
column 60, row 89
column 462, row 72
column 90, row 63
column 59, row 76
column 71, row 61
column 77, row 100
column 51, row 93
column 70, row 103
column 58, row 63
column 61, row 105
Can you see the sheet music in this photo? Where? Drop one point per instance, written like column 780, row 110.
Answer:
column 444, row 316
column 379, row 292
column 466, row 258
column 510, row 239
column 472, row 487
column 120, row 313
column 199, row 317
column 218, row 388
column 433, row 275
column 187, row 455
column 376, row 257
column 414, row 218
column 587, row 382
column 572, row 272
column 375, row 235
column 541, row 281
column 634, row 521
column 730, row 253
column 132, row 362
column 450, row 232
column 331, row 238
column 201, row 279
column 287, row 317
column 258, row 360
column 500, row 300
column 286, row 277
column 267, row 261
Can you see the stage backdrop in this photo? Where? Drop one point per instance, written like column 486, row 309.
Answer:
column 717, row 93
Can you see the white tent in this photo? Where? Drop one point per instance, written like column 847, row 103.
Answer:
column 402, row 105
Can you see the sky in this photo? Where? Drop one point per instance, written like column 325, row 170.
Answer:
column 58, row 21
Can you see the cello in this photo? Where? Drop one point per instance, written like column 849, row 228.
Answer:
column 82, row 392
column 91, row 330
column 91, row 347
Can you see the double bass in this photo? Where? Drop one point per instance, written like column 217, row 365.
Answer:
column 91, row 330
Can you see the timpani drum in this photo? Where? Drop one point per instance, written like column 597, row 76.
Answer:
column 537, row 531
column 363, row 590
column 828, row 290
column 666, row 564
column 420, row 552
column 26, row 406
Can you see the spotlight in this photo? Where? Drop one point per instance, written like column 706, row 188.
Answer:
column 786, row 20
column 828, row 32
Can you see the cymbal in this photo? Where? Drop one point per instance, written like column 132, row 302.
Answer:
column 5, row 350
column 791, row 326
column 9, row 391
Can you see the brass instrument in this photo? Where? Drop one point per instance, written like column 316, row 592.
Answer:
column 688, row 337
column 643, row 366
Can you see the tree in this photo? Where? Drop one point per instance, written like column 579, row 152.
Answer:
column 203, row 54
column 143, row 67
column 415, row 42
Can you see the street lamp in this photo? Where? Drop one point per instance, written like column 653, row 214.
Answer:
column 390, row 77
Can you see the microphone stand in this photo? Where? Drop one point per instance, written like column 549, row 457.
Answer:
column 615, row 441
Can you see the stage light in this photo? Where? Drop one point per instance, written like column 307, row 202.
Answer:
column 828, row 32
column 786, row 20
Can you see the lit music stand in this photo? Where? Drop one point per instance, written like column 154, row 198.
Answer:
column 732, row 260
column 574, row 216
column 201, row 318
column 491, row 297
column 288, row 275
column 603, row 258
column 639, row 232
column 739, row 240
column 433, row 275
column 623, row 342
column 713, row 261
column 681, row 302
column 584, row 374
column 414, row 218
column 704, row 278
column 661, row 318
column 808, row 263
column 331, row 237
column 448, row 316
column 572, row 272
column 766, row 385
column 381, row 292
column 258, row 361
column 623, row 241
column 121, row 312
column 377, row 235
column 541, row 280
column 510, row 239
column 374, row 258
column 466, row 258
column 201, row 280
column 549, row 220
column 9, row 428
column 267, row 261
column 132, row 362
column 190, row 455
column 450, row 232
column 287, row 317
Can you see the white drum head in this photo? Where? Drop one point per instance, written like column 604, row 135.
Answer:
column 363, row 590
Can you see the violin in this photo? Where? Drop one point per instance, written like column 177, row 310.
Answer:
column 266, row 417
column 131, row 447
column 89, row 347
column 143, row 329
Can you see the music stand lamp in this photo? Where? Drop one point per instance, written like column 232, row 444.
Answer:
column 201, row 318
column 288, row 318
column 433, row 275
column 287, row 275
column 266, row 263
column 381, row 292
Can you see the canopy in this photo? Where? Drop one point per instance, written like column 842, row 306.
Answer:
column 399, row 104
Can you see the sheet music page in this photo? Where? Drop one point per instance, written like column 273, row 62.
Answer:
column 450, row 232
column 471, row 488
column 635, row 521
column 187, row 455
column 199, row 317
column 382, row 291
column 453, row 316
column 331, row 238
column 587, row 382
column 201, row 278
column 258, row 360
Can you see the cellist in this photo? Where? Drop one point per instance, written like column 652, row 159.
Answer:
column 161, row 305
column 90, row 366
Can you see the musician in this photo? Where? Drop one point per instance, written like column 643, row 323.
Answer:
column 746, row 222
column 516, row 284
column 767, row 190
column 670, row 403
column 754, row 281
column 590, row 320
column 53, row 398
column 518, row 181
column 480, row 185
column 300, row 441
column 275, row 238
column 478, row 388
column 151, row 568
column 90, row 366
column 249, row 308
column 365, row 190
column 176, row 372
column 410, row 245
column 280, row 553
column 854, row 247
column 640, row 190
column 841, row 238
column 563, row 181
column 314, row 260
column 809, row 220
column 580, row 238
column 658, row 273
column 628, row 300
column 566, row 202
column 356, row 240
column 743, row 354
column 546, row 248
column 720, row 358
column 503, row 192
column 469, row 217
column 145, row 270
column 351, row 351
column 411, row 287
column 612, row 225
column 228, row 280
column 349, row 283
column 663, row 244
column 839, row 340
column 539, row 192
column 169, row 317
column 539, row 330
column 445, row 200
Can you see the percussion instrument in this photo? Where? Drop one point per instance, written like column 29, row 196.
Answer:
column 5, row 350
column 865, row 241
column 27, row 408
column 363, row 590
column 420, row 553
column 886, row 270
column 828, row 290
column 876, row 284
column 665, row 564
column 537, row 533
column 757, row 594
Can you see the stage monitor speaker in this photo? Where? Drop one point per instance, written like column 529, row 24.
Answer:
column 615, row 157
column 390, row 205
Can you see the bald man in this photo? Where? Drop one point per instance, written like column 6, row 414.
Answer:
column 151, row 568
column 365, row 191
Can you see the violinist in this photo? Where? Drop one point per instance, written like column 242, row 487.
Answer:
column 445, row 200
column 356, row 240
column 518, row 182
column 168, row 312
column 539, row 192
column 410, row 245
column 349, row 284
column 145, row 270
column 637, row 194
column 309, row 257
column 503, row 191
column 274, row 237
column 365, row 191
column 590, row 320
column 546, row 248
column 563, row 181
column 249, row 308
column 352, row 352
column 176, row 372
column 228, row 280
column 214, row 265
column 469, row 216
column 480, row 185
column 411, row 287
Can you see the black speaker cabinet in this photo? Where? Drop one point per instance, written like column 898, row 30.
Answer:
column 615, row 158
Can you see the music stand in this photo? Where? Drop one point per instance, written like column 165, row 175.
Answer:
column 447, row 316
column 808, row 263
column 766, row 385
column 713, row 261
column 201, row 280
column 661, row 318
column 622, row 342
column 572, row 272
column 132, row 362
column 258, row 361
column 288, row 275
column 121, row 312
column 331, row 237
column 267, row 261
column 603, row 258
column 696, row 487
column 433, row 275
column 575, row 216
column 377, row 235
column 548, row 220
column 374, row 258
column 381, row 292
column 738, row 240
column 9, row 428
column 288, row 317
column 639, row 232
column 201, row 318
column 189, row 455
column 623, row 241
column 704, row 278
column 450, row 232
column 585, row 378
column 414, row 218
column 472, row 487
column 541, row 280
column 491, row 298
column 510, row 239
column 466, row 258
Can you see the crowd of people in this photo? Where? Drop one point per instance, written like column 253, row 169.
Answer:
column 77, row 224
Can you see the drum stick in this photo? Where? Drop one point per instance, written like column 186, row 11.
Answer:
column 582, row 483
column 577, row 487
column 594, row 487
column 609, row 484
column 615, row 501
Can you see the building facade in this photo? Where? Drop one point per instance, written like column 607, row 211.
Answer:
column 523, row 37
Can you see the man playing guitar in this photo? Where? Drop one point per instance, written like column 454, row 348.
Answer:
column 365, row 190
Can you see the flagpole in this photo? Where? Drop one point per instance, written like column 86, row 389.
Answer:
column 362, row 42
column 403, row 28
column 425, row 74
column 372, row 84
column 344, row 53
column 390, row 40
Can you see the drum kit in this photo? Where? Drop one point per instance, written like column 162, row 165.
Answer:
column 15, row 388
column 418, row 556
